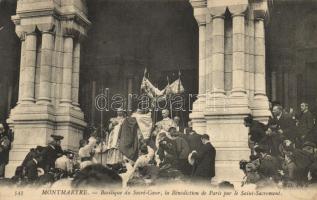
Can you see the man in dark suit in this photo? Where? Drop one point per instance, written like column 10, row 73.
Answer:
column 286, row 126
column 182, row 149
column 51, row 152
column 204, row 165
column 306, row 122
column 256, row 131
column 193, row 139
column 31, row 168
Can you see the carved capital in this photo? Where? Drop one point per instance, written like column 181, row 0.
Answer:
column 70, row 29
column 74, row 26
column 198, row 3
column 20, row 32
column 201, row 20
column 47, row 28
column 200, row 11
column 217, row 11
column 260, row 8
column 28, row 29
column 238, row 9
column 16, row 19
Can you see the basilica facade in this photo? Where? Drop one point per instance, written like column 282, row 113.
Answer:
column 234, row 56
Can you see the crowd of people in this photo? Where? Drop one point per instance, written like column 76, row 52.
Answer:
column 283, row 150
column 132, row 150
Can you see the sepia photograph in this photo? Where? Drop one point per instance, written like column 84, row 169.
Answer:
column 160, row 99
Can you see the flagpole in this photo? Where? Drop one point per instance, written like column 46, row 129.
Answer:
column 169, row 97
column 101, row 131
column 179, row 88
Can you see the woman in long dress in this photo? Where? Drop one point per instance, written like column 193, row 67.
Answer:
column 114, row 158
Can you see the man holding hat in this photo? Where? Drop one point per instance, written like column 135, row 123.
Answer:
column 51, row 152
column 204, row 166
column 309, row 147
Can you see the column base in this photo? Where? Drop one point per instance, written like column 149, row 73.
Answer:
column 43, row 101
column 64, row 102
column 260, row 108
column 76, row 106
column 230, row 138
column 238, row 93
column 70, row 124
column 27, row 101
column 34, row 124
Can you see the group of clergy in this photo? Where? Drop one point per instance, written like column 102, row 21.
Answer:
column 134, row 143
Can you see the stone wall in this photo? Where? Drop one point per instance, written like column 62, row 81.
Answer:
column 50, row 32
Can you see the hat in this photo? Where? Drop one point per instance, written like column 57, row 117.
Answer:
column 39, row 148
column 191, row 159
column 144, row 149
column 309, row 144
column 250, row 167
column 120, row 110
column 68, row 151
column 205, row 136
column 57, row 137
column 260, row 148
column 248, row 119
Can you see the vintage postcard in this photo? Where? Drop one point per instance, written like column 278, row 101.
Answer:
column 158, row 99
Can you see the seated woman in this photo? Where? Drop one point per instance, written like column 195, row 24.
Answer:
column 86, row 152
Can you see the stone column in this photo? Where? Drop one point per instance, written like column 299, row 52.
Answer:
column 251, row 59
column 259, row 58
column 238, row 58
column 202, row 56
column 46, row 67
column 22, row 68
column 197, row 116
column 273, row 86
column 218, row 51
column 28, row 76
column 208, row 55
column 260, row 108
column 130, row 92
column 66, row 99
column 75, row 74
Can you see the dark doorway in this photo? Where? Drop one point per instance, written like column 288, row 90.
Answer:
column 291, row 49
column 9, row 59
column 128, row 36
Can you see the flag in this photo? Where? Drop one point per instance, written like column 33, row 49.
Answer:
column 175, row 88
